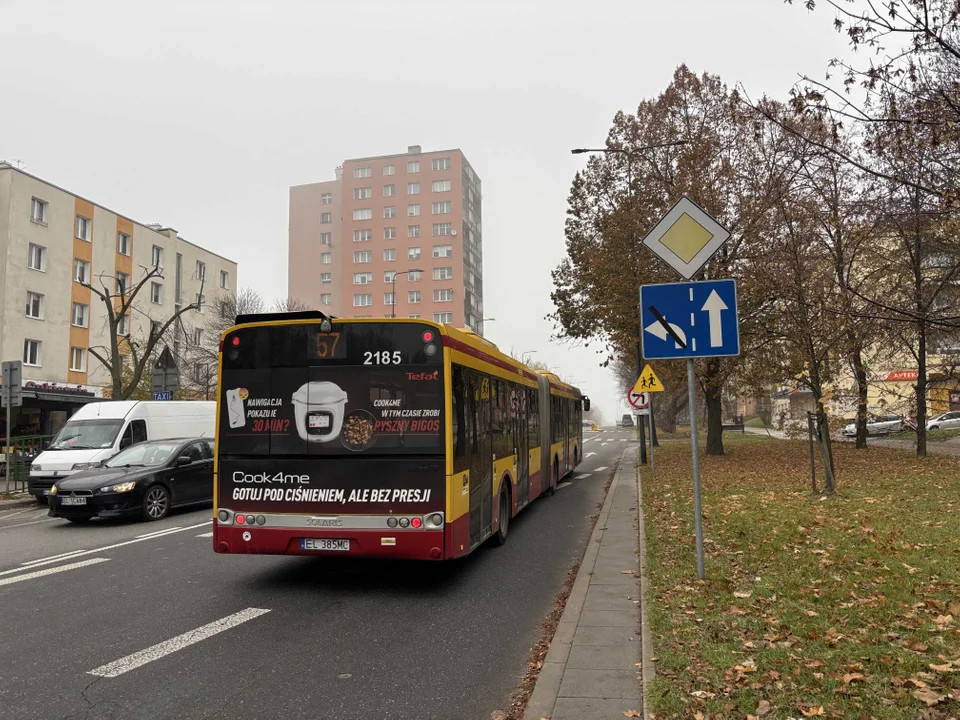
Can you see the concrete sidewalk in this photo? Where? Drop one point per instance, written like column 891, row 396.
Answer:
column 592, row 670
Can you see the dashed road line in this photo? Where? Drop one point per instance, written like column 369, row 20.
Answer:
column 209, row 534
column 50, row 571
column 563, row 485
column 160, row 650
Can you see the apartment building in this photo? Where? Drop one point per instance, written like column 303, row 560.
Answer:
column 52, row 244
column 414, row 218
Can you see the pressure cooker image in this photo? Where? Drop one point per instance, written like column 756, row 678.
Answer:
column 318, row 407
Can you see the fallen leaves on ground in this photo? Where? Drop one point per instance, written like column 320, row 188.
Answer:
column 846, row 607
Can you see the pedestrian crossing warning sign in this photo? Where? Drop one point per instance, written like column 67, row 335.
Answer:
column 648, row 382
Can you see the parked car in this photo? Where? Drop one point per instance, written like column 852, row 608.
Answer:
column 146, row 480
column 878, row 425
column 98, row 431
column 945, row 422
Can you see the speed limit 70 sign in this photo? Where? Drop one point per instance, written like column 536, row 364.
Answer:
column 639, row 400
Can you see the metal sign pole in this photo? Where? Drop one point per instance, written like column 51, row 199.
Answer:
column 695, row 450
column 9, row 466
column 652, row 468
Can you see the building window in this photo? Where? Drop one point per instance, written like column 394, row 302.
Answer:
column 326, row 258
column 326, row 299
column 444, row 273
column 123, row 327
column 362, row 193
column 389, row 190
column 78, row 359
column 413, row 188
column 123, row 243
column 388, row 299
column 389, row 169
column 362, row 172
column 413, row 297
column 443, row 317
column 390, row 254
column 362, row 300
column 224, row 279
column 389, row 276
column 414, row 315
column 413, row 210
column 80, row 315
column 413, row 253
column 123, row 283
column 32, row 352
column 441, row 164
column 156, row 256
column 413, row 231
column 362, row 278
column 389, row 211
column 38, row 211
column 326, row 278
column 156, row 293
column 442, row 208
column 326, row 198
column 201, row 273
column 363, row 257
column 363, row 214
column 201, row 302
column 326, row 238
column 83, row 228
column 198, row 336
column 362, row 235
column 413, row 166
column 443, row 295
column 326, row 218
column 34, row 305
column 81, row 270
column 442, row 228
column 37, row 257
column 390, row 233
column 414, row 276
column 442, row 251
column 441, row 186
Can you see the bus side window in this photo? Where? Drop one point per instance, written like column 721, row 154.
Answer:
column 533, row 413
column 460, row 404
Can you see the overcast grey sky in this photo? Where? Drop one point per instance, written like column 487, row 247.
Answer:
column 200, row 114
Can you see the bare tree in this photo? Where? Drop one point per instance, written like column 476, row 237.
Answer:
column 291, row 304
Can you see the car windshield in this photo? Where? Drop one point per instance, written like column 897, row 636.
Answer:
column 86, row 435
column 144, row 454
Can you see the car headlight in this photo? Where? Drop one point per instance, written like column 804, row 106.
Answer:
column 36, row 467
column 119, row 487
column 53, row 490
column 82, row 466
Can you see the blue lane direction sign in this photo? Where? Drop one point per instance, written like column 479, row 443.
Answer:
column 163, row 395
column 690, row 320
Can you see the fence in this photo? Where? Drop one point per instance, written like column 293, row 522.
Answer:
column 22, row 450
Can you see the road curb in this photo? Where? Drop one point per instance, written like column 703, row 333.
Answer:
column 646, row 639
column 13, row 504
column 543, row 700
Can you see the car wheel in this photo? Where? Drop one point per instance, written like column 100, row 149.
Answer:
column 156, row 503
column 934, row 427
column 500, row 537
column 78, row 520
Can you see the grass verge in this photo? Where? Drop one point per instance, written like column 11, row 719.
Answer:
column 844, row 607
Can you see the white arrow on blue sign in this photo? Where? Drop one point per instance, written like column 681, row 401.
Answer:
column 690, row 320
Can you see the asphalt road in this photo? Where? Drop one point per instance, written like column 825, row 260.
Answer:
column 145, row 621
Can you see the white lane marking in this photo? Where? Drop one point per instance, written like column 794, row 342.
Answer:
column 61, row 556
column 604, row 444
column 32, row 522
column 17, row 512
column 623, row 439
column 589, row 454
column 583, row 476
column 109, row 547
column 155, row 652
column 563, row 485
column 158, row 532
column 209, row 534
column 602, row 467
column 50, row 571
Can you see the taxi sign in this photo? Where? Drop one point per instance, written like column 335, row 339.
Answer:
column 686, row 238
column 648, row 382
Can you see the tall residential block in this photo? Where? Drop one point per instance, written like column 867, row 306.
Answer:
column 414, row 218
column 53, row 246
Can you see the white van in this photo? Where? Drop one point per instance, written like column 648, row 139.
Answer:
column 98, row 431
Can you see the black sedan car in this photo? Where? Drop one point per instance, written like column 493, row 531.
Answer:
column 146, row 479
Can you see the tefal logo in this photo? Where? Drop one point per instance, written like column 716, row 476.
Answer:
column 424, row 376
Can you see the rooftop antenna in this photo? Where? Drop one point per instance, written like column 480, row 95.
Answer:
column 20, row 163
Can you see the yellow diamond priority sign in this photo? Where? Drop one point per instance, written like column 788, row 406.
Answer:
column 648, row 382
column 686, row 238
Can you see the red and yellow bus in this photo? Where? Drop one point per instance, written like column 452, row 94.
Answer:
column 380, row 438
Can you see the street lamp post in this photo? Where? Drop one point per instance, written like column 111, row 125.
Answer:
column 394, row 290
column 524, row 354
column 629, row 154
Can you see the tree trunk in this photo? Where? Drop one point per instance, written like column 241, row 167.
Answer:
column 826, row 451
column 861, row 374
column 921, row 389
column 713, row 389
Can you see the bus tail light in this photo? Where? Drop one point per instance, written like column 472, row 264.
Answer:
column 433, row 521
column 239, row 519
column 416, row 523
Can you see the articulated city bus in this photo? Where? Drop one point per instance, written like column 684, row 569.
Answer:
column 380, row 438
